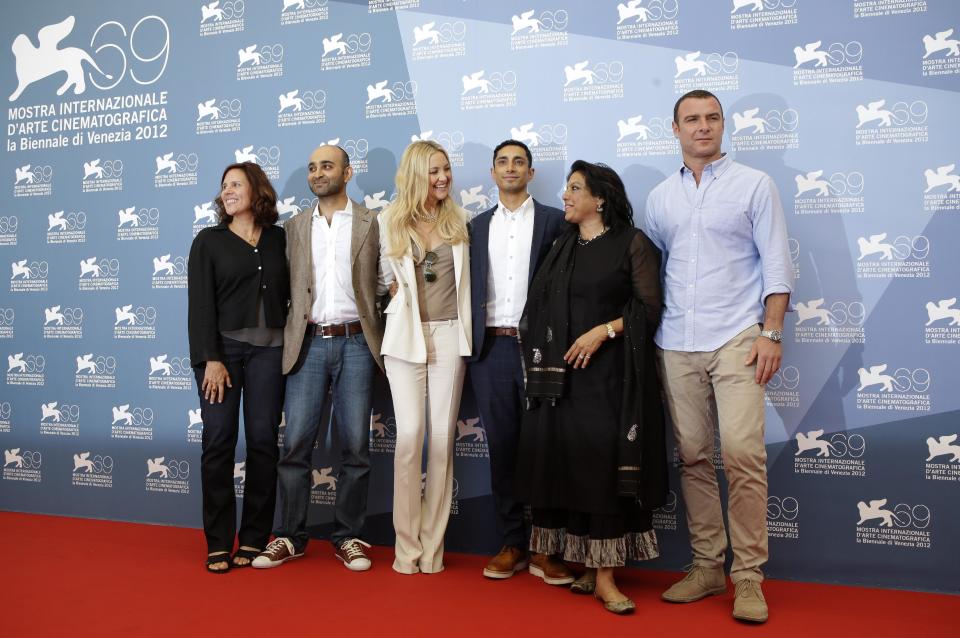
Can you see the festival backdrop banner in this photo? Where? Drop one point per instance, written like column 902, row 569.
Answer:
column 121, row 116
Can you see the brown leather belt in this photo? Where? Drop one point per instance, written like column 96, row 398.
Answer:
column 325, row 331
column 501, row 332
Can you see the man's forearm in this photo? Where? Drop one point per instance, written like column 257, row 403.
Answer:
column 776, row 307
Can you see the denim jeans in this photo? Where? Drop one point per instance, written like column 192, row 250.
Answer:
column 346, row 365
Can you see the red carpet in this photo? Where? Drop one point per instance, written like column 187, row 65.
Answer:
column 75, row 577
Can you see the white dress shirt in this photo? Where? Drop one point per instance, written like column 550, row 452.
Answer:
column 334, row 300
column 511, row 236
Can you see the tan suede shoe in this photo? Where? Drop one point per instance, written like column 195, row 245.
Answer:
column 699, row 582
column 749, row 603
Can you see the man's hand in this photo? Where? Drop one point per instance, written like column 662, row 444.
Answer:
column 767, row 354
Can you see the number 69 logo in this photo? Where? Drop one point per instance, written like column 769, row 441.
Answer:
column 670, row 504
column 782, row 509
column 786, row 378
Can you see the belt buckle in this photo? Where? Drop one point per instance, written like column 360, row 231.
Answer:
column 321, row 326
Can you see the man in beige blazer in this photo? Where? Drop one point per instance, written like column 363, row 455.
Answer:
column 332, row 340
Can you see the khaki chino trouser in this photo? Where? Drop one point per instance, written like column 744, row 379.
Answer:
column 704, row 390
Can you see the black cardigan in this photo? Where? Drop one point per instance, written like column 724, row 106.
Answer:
column 225, row 277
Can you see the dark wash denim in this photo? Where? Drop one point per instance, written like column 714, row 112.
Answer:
column 346, row 365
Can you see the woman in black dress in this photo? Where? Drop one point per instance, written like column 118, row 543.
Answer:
column 238, row 288
column 592, row 443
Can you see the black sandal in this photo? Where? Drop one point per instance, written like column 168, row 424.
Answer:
column 249, row 554
column 222, row 557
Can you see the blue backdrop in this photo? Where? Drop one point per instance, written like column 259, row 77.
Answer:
column 122, row 115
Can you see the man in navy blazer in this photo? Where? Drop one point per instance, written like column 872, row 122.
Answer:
column 507, row 244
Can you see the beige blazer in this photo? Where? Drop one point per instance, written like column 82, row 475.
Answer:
column 364, row 257
column 403, row 336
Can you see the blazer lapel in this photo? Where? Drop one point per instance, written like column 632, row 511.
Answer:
column 458, row 269
column 539, row 228
column 481, row 239
column 304, row 224
column 360, row 228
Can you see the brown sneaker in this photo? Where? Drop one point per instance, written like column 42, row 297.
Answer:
column 279, row 551
column 550, row 569
column 351, row 553
column 749, row 603
column 505, row 564
column 699, row 582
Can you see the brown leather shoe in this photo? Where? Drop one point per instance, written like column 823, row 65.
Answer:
column 551, row 569
column 506, row 563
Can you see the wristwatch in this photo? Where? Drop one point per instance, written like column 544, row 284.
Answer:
column 773, row 335
column 611, row 333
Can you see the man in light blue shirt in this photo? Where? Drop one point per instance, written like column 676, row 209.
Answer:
column 727, row 284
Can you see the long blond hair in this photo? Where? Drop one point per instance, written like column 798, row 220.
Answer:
column 413, row 184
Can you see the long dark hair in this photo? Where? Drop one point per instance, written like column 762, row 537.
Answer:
column 264, row 197
column 604, row 183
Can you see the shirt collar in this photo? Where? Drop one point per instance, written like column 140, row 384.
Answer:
column 348, row 210
column 525, row 207
column 716, row 168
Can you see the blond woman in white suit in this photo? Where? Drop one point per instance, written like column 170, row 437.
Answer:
column 424, row 245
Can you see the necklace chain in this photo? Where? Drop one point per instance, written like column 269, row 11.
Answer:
column 252, row 239
column 583, row 242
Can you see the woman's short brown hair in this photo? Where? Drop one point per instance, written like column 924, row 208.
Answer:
column 263, row 195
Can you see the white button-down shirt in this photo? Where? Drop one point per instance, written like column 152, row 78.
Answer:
column 511, row 236
column 334, row 299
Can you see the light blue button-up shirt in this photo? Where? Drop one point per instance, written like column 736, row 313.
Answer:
column 725, row 250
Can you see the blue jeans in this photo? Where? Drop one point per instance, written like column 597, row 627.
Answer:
column 345, row 363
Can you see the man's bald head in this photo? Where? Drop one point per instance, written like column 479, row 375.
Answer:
column 328, row 171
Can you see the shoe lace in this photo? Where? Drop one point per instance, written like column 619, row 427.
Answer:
column 352, row 548
column 275, row 547
column 749, row 589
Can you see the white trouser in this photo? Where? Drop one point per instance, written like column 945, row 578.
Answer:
column 420, row 518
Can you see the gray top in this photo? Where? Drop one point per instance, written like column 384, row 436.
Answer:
column 438, row 299
column 261, row 335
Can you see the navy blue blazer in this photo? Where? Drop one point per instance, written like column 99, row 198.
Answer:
column 548, row 223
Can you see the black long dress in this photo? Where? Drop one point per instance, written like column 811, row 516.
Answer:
column 568, row 452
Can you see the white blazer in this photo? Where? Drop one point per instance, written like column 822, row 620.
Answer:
column 403, row 336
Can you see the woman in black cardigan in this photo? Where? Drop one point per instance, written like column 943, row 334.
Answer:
column 238, row 288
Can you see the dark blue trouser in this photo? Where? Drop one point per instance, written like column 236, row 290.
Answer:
column 497, row 379
column 255, row 373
